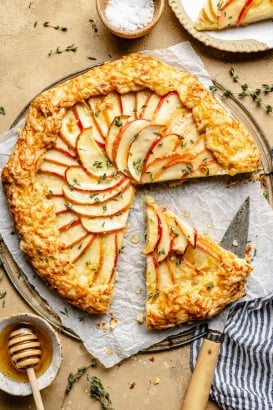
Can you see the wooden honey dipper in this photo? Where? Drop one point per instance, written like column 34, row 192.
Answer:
column 25, row 353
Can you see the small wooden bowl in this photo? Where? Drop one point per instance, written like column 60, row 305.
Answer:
column 158, row 9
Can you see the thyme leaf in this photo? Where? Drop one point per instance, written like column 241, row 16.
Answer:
column 2, row 110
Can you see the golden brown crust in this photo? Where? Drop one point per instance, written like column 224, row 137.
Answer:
column 201, row 291
column 28, row 199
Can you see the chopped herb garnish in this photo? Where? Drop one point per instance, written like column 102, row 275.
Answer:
column 93, row 25
column 2, row 110
column 255, row 94
column 57, row 27
column 71, row 48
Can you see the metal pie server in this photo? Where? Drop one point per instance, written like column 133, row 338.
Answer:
column 197, row 394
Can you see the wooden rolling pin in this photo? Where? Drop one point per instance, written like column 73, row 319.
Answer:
column 25, row 353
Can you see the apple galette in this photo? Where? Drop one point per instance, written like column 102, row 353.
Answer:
column 188, row 275
column 85, row 146
column 222, row 14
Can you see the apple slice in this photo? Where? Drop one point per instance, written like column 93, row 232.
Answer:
column 79, row 248
column 53, row 168
column 152, row 230
column 168, row 168
column 53, row 182
column 152, row 276
column 165, row 277
column 90, row 198
column 64, row 220
column 106, row 273
column 165, row 145
column 113, row 133
column 128, row 104
column 112, row 106
column 61, row 204
column 77, row 177
column 70, row 129
column 89, row 262
column 83, row 114
column 179, row 240
column 150, row 107
column 141, row 101
column 73, row 235
column 163, row 247
column 105, row 224
column 166, row 107
column 59, row 157
column 100, row 118
column 92, row 157
column 108, row 208
column 140, row 148
column 86, row 120
column 124, row 141
column 64, row 147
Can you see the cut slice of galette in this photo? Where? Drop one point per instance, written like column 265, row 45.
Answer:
column 88, row 143
column 188, row 275
column 223, row 14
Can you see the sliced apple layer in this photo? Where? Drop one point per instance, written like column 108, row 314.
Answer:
column 106, row 145
column 188, row 275
column 219, row 15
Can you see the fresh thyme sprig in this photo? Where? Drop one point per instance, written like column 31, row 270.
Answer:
column 71, row 48
column 73, row 378
column 56, row 27
column 256, row 94
column 98, row 392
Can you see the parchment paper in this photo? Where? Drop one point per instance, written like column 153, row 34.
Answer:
column 208, row 204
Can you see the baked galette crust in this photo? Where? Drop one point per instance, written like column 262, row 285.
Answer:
column 38, row 210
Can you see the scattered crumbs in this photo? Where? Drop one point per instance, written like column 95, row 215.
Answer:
column 140, row 318
column 138, row 291
column 103, row 326
column 186, row 214
column 155, row 380
column 235, row 243
column 132, row 385
column 113, row 322
column 152, row 358
column 108, row 351
column 209, row 224
column 135, row 239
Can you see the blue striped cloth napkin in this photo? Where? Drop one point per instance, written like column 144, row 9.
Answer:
column 243, row 377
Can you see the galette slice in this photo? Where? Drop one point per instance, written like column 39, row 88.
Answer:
column 222, row 14
column 188, row 275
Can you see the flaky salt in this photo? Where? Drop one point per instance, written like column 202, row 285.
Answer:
column 129, row 15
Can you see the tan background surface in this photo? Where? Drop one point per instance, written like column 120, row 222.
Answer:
column 26, row 68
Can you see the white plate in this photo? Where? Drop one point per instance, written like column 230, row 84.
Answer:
column 253, row 38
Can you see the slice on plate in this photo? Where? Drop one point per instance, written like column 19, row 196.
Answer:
column 87, row 143
column 223, row 14
column 188, row 275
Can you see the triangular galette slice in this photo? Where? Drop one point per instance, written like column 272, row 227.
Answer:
column 188, row 275
column 222, row 14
